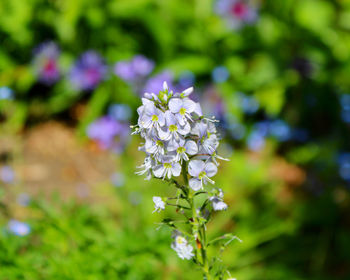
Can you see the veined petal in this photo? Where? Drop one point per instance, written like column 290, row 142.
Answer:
column 165, row 86
column 175, row 104
column 187, row 91
column 210, row 169
column 170, row 118
column 184, row 129
column 164, row 135
column 161, row 118
column 195, row 167
column 191, row 147
column 189, row 105
column 159, row 170
column 195, row 184
column 176, row 169
column 145, row 121
column 198, row 110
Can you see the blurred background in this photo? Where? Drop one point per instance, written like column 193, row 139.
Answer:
column 275, row 73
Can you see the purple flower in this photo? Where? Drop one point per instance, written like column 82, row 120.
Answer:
column 236, row 12
column 155, row 83
column 88, row 71
column 7, row 175
column 142, row 65
column 18, row 228
column 137, row 68
column 46, row 62
column 109, row 133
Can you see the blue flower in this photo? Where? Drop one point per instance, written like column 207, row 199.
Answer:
column 256, row 141
column 280, row 130
column 88, row 71
column 18, row 228
column 220, row 74
column 344, row 166
column 6, row 93
column 119, row 112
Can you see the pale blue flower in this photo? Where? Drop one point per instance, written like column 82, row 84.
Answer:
column 6, row 93
column 202, row 172
column 18, row 228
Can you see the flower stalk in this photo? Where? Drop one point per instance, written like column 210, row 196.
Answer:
column 181, row 142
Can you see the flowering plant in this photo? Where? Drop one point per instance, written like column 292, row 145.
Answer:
column 181, row 148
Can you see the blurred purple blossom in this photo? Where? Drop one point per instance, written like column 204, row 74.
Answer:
column 109, row 133
column 237, row 13
column 18, row 228
column 88, row 71
column 23, row 199
column 118, row 179
column 45, row 62
column 256, row 141
column 155, row 83
column 137, row 68
column 7, row 175
column 186, row 79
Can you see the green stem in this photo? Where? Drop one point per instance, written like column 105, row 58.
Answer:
column 201, row 230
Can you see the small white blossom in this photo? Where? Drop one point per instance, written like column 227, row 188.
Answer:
column 201, row 172
column 159, row 204
column 182, row 248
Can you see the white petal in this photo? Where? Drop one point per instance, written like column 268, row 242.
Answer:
column 198, row 109
column 158, row 171
column 164, row 135
column 176, row 169
column 165, row 86
column 170, row 118
column 187, row 91
column 191, row 147
column 184, row 130
column 189, row 105
column 211, row 169
column 175, row 105
column 161, row 118
column 195, row 167
column 195, row 184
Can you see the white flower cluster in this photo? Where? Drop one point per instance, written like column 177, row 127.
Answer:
column 175, row 131
column 181, row 246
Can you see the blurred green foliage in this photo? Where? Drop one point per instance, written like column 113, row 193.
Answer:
column 295, row 61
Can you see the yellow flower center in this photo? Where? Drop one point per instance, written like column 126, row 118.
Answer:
column 201, row 175
column 181, row 150
column 182, row 111
column 159, row 143
column 172, row 127
column 180, row 240
column 154, row 118
column 167, row 165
